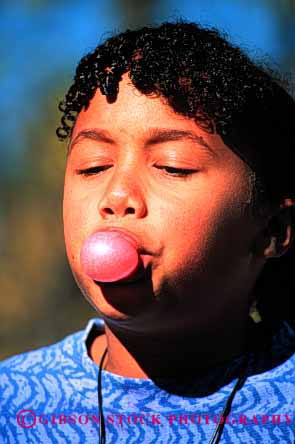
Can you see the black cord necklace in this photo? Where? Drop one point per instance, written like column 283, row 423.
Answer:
column 102, row 429
column 215, row 438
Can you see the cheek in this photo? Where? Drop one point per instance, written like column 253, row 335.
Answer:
column 206, row 232
column 189, row 239
column 78, row 216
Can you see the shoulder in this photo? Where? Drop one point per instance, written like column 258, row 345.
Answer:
column 62, row 356
column 57, row 378
column 29, row 377
column 36, row 361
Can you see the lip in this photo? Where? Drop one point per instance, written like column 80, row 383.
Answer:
column 143, row 275
column 144, row 269
column 124, row 282
column 131, row 237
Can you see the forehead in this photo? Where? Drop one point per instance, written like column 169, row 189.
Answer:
column 131, row 108
column 135, row 117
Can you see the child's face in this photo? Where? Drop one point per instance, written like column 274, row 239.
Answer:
column 197, row 229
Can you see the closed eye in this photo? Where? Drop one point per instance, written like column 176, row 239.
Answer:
column 93, row 170
column 178, row 172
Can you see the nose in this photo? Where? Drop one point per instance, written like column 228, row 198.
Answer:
column 123, row 197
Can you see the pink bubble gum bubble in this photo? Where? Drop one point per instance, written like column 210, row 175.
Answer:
column 108, row 256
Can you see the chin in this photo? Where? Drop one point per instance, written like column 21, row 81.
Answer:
column 117, row 300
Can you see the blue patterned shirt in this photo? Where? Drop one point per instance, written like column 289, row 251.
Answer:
column 50, row 396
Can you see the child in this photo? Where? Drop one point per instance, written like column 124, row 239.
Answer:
column 179, row 143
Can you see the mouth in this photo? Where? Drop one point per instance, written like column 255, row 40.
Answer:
column 143, row 275
column 131, row 238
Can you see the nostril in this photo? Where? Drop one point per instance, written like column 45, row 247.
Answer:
column 108, row 211
column 130, row 210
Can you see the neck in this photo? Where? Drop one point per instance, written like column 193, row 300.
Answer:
column 173, row 355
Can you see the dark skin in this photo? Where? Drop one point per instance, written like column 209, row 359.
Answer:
column 190, row 210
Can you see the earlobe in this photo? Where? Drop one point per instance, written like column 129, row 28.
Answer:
column 277, row 247
column 280, row 230
column 271, row 249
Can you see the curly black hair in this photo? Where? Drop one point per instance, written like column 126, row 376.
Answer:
column 204, row 77
column 201, row 76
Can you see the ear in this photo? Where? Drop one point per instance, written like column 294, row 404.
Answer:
column 279, row 232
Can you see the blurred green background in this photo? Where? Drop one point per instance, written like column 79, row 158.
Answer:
column 41, row 44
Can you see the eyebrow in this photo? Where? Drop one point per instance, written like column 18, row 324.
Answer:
column 91, row 134
column 158, row 135
column 154, row 136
